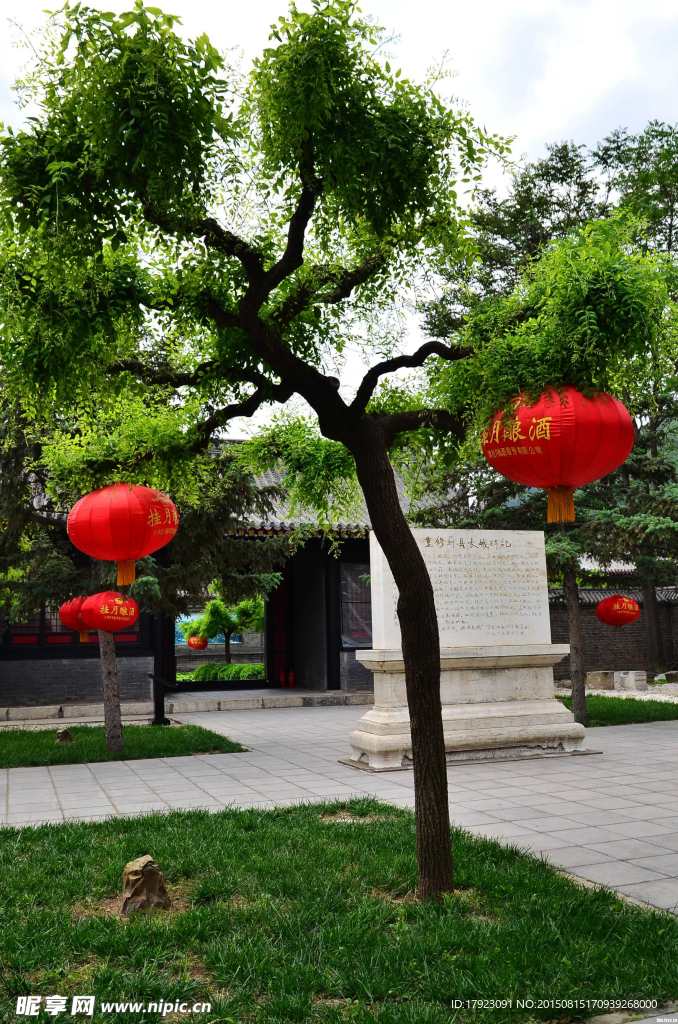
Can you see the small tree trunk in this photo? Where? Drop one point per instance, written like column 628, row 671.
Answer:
column 421, row 654
column 228, row 646
column 577, row 674
column 655, row 647
column 109, row 675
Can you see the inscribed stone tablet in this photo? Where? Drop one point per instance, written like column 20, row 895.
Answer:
column 490, row 588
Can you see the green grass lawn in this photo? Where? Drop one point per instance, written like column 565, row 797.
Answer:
column 21, row 748
column 285, row 917
column 624, row 710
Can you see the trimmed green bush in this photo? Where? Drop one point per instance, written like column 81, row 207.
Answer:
column 223, row 671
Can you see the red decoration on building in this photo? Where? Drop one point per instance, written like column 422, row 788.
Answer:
column 70, row 614
column 109, row 611
column 618, row 610
column 198, row 643
column 121, row 523
column 561, row 442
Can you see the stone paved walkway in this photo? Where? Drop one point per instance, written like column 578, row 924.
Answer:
column 610, row 818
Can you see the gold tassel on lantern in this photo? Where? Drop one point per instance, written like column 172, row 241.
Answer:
column 126, row 573
column 84, row 638
column 560, row 505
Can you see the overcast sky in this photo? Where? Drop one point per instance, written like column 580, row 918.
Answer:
column 542, row 70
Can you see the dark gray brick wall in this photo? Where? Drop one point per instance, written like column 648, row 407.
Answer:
column 615, row 649
column 69, row 681
column 354, row 675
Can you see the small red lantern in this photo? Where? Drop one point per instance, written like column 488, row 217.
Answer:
column 109, row 611
column 561, row 442
column 618, row 610
column 198, row 643
column 121, row 523
column 71, row 617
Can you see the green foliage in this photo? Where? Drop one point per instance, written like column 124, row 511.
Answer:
column 586, row 314
column 376, row 144
column 122, row 279
column 320, row 478
column 306, row 914
column 247, row 615
column 130, row 115
column 24, row 748
column 624, row 710
column 563, row 551
column 643, row 169
column 630, row 515
column 546, row 200
column 223, row 671
column 39, row 565
column 60, row 311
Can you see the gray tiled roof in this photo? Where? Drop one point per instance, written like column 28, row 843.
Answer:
column 281, row 521
column 592, row 596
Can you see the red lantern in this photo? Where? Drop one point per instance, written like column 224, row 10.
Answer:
column 561, row 442
column 109, row 611
column 121, row 523
column 198, row 643
column 70, row 615
column 618, row 610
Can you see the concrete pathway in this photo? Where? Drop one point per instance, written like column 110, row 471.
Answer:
column 610, row 818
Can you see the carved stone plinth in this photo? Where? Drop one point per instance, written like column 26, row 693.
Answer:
column 497, row 702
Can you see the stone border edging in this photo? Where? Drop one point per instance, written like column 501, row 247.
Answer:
column 141, row 709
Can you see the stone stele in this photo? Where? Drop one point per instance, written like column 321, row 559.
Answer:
column 496, row 654
column 143, row 886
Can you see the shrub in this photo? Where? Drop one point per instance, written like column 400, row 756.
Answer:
column 223, row 671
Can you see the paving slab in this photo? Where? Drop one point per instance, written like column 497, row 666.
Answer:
column 612, row 820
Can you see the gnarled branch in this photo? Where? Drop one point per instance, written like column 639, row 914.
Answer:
column 214, row 236
column 347, row 279
column 414, row 419
column 344, row 281
column 293, row 256
column 418, row 358
column 219, row 418
column 164, row 374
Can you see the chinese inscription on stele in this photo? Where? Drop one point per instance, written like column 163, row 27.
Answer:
column 490, row 588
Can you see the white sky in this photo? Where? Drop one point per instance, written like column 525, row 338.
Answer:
column 542, row 70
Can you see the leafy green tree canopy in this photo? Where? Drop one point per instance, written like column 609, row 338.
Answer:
column 589, row 313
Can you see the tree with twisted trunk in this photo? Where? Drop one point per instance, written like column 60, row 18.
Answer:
column 200, row 245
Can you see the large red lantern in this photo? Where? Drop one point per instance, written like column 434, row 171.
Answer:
column 618, row 610
column 561, row 442
column 70, row 614
column 109, row 611
column 121, row 523
column 198, row 643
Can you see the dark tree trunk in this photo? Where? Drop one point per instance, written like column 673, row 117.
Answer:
column 109, row 676
column 421, row 654
column 577, row 674
column 655, row 647
column 227, row 645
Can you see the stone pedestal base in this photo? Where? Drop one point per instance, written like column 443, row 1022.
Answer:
column 498, row 702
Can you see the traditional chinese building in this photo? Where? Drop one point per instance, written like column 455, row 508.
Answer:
column 316, row 620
